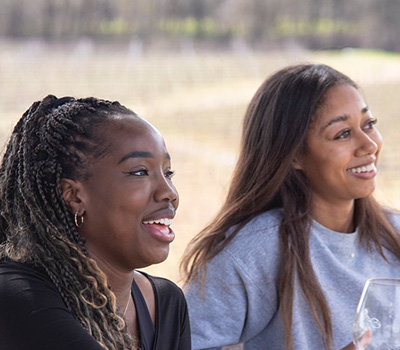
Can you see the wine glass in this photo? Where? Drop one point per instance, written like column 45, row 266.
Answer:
column 379, row 311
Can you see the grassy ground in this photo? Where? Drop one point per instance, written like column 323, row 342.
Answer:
column 197, row 100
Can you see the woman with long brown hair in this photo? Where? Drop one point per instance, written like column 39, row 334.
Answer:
column 283, row 264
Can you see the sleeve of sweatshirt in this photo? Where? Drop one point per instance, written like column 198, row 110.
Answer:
column 239, row 296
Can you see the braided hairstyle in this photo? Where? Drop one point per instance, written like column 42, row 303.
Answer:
column 54, row 139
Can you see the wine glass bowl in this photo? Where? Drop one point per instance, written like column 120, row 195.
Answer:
column 379, row 311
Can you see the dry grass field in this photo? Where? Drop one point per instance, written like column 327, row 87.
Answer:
column 197, row 100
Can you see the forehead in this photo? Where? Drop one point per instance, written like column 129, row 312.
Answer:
column 131, row 121
column 342, row 97
column 341, row 100
column 129, row 131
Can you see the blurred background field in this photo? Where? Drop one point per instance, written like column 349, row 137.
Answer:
column 195, row 88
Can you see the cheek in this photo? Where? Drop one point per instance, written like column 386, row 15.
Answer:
column 320, row 161
column 134, row 201
column 327, row 165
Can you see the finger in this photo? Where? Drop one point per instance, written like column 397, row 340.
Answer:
column 362, row 342
column 365, row 339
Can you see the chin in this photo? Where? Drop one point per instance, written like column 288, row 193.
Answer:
column 364, row 195
column 159, row 257
column 152, row 258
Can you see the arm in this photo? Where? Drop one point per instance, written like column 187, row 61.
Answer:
column 33, row 314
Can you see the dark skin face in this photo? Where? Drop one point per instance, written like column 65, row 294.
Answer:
column 128, row 202
column 340, row 160
column 129, row 199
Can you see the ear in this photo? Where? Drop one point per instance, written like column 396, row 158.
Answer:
column 72, row 194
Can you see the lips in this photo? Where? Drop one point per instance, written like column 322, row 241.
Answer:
column 368, row 167
column 363, row 169
column 158, row 225
column 167, row 213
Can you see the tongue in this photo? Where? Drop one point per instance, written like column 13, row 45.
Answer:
column 161, row 228
column 163, row 232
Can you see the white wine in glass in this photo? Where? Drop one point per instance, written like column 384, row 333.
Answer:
column 379, row 311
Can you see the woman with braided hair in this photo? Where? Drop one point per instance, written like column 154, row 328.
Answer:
column 86, row 198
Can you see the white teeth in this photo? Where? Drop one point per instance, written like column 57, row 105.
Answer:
column 363, row 169
column 163, row 221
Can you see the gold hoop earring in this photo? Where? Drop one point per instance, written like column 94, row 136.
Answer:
column 78, row 220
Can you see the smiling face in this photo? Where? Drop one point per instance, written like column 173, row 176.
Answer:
column 342, row 148
column 128, row 200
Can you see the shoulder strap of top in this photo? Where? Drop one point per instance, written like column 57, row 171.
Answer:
column 145, row 324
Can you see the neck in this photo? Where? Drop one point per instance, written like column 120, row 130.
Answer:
column 118, row 280
column 339, row 217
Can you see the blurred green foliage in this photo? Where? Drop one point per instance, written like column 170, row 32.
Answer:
column 311, row 24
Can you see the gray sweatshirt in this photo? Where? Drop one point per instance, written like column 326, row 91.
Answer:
column 239, row 303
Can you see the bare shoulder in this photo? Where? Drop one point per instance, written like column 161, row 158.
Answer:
column 143, row 283
column 147, row 291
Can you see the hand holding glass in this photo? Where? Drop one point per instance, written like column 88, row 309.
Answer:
column 379, row 311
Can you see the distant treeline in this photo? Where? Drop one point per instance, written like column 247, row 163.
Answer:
column 260, row 23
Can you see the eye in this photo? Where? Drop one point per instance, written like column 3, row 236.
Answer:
column 370, row 124
column 342, row 135
column 140, row 172
column 169, row 174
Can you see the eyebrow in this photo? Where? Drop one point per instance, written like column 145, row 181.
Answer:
column 140, row 154
column 343, row 118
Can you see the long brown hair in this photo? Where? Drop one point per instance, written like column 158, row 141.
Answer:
column 274, row 132
column 54, row 139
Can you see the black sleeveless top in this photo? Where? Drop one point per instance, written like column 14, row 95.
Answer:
column 145, row 324
column 33, row 314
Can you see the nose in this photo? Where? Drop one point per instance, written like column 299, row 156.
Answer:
column 166, row 191
column 369, row 143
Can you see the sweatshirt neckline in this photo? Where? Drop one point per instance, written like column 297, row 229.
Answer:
column 326, row 230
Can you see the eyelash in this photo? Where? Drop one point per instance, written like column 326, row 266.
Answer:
column 345, row 133
column 143, row 172
column 169, row 174
column 140, row 172
column 372, row 122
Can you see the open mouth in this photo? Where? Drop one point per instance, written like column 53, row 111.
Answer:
column 362, row 169
column 163, row 221
column 160, row 229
